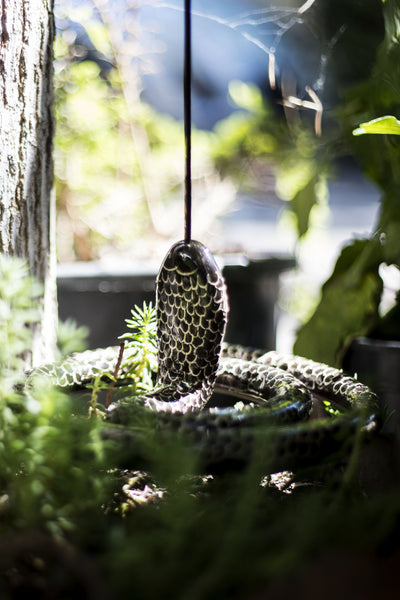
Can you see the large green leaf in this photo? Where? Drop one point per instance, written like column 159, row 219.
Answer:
column 348, row 305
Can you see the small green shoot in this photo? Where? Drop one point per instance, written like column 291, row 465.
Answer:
column 140, row 360
column 95, row 408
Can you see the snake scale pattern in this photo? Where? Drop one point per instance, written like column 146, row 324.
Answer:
column 277, row 393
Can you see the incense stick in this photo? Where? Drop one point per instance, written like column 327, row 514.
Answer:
column 187, row 118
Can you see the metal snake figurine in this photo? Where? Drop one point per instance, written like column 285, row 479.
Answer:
column 279, row 392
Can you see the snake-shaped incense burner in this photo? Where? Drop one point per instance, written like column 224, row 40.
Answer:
column 278, row 393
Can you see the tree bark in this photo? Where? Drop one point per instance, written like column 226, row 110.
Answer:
column 26, row 168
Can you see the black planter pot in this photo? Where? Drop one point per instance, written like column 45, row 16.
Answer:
column 377, row 363
column 102, row 299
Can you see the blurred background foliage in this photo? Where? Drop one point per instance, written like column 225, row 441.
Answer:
column 110, row 144
column 116, row 155
column 119, row 165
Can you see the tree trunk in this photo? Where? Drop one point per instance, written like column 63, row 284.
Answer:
column 26, row 169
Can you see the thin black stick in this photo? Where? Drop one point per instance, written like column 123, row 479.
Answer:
column 116, row 373
column 187, row 118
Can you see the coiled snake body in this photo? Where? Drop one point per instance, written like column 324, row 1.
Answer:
column 279, row 391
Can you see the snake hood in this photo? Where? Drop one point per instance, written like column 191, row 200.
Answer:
column 192, row 311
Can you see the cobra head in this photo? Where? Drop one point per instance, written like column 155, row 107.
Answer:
column 192, row 312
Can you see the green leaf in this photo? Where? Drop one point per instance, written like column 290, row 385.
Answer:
column 246, row 96
column 302, row 204
column 381, row 125
column 348, row 305
column 294, row 175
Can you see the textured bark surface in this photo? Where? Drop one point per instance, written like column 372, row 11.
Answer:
column 26, row 129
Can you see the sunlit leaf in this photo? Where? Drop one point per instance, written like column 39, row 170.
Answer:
column 293, row 176
column 348, row 305
column 246, row 96
column 387, row 124
column 302, row 205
